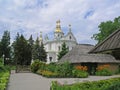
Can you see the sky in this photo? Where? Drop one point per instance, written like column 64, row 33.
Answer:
column 34, row 16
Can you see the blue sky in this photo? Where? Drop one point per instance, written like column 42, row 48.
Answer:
column 32, row 16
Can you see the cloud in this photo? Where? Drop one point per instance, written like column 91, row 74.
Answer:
column 32, row 16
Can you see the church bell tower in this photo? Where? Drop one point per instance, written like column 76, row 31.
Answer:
column 58, row 34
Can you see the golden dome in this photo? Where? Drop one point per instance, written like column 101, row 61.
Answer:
column 58, row 27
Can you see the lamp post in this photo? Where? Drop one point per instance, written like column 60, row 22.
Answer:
column 3, row 58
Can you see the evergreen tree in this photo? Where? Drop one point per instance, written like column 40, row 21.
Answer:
column 39, row 52
column 22, row 51
column 106, row 28
column 5, row 46
column 31, row 43
column 42, row 54
column 36, row 49
column 63, row 51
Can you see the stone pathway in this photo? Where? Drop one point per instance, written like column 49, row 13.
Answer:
column 30, row 81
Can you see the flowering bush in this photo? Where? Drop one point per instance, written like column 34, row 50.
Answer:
column 103, row 70
column 47, row 73
column 82, row 68
column 102, row 67
column 80, row 71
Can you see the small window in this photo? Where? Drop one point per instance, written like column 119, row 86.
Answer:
column 50, row 59
column 70, row 37
column 68, row 47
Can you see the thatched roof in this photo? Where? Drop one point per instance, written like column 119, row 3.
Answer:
column 112, row 42
column 79, row 54
column 81, row 49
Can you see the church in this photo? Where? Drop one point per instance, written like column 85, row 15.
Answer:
column 54, row 46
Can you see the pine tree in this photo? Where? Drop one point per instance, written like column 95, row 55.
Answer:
column 43, row 54
column 22, row 51
column 63, row 51
column 36, row 49
column 39, row 52
column 31, row 43
column 5, row 46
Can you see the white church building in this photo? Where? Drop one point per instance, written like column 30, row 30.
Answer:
column 54, row 46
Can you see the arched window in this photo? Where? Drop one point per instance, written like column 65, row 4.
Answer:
column 70, row 37
column 50, row 59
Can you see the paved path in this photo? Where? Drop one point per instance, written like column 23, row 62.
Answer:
column 30, row 81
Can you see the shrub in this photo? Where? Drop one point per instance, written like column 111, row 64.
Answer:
column 80, row 71
column 35, row 66
column 114, row 86
column 64, row 70
column 103, row 70
column 4, row 77
column 47, row 73
column 108, row 84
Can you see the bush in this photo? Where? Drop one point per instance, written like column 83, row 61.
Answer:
column 108, row 84
column 114, row 86
column 104, row 72
column 64, row 70
column 47, row 73
column 4, row 77
column 80, row 71
column 36, row 65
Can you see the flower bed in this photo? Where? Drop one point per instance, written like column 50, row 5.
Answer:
column 59, row 70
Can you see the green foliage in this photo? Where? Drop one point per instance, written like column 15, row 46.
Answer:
column 1, row 62
column 79, row 73
column 108, row 84
column 39, row 51
column 5, row 46
column 56, row 70
column 47, row 73
column 106, row 28
column 63, row 51
column 64, row 70
column 4, row 77
column 35, row 66
column 104, row 72
column 114, row 86
column 22, row 51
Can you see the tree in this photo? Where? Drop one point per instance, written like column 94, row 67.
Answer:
column 42, row 54
column 5, row 46
column 63, row 51
column 106, row 28
column 31, row 43
column 22, row 51
column 39, row 51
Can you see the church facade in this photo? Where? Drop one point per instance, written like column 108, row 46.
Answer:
column 53, row 47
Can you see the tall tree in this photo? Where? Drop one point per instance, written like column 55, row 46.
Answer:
column 63, row 51
column 106, row 28
column 39, row 51
column 31, row 43
column 42, row 54
column 22, row 51
column 5, row 46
